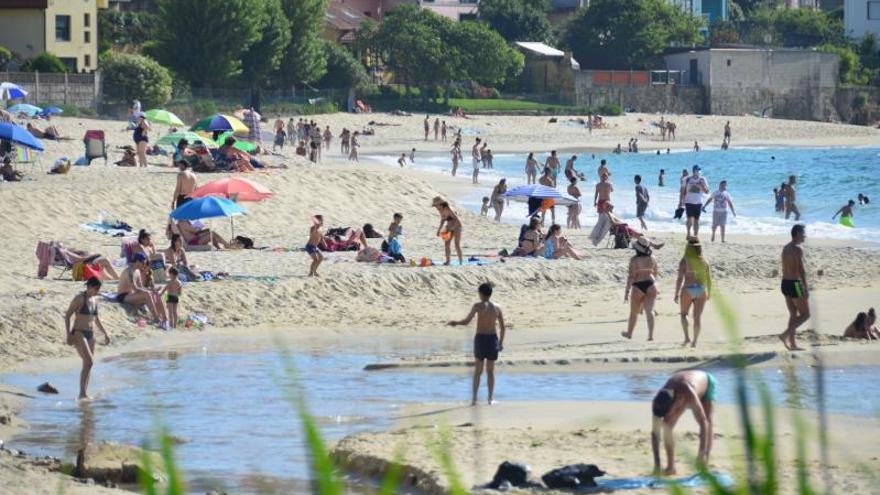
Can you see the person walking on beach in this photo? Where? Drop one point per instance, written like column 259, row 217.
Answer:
column 487, row 342
column 84, row 309
column 846, row 213
column 436, row 128
column 696, row 390
column 531, row 169
column 574, row 211
column 497, row 198
column 476, row 159
column 670, row 130
column 721, row 202
column 691, row 197
column 794, row 286
column 602, row 194
column 328, row 137
column 791, row 199
column 641, row 290
column 452, row 232
column 693, row 287
column 443, row 131
column 353, row 148
column 427, row 126
column 344, row 140
column 140, row 137
column 642, row 199
column 727, row 133
column 316, row 235
column 456, row 159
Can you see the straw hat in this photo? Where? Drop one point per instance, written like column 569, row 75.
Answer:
column 437, row 201
column 642, row 246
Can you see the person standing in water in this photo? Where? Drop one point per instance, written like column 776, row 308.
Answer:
column 794, row 286
column 691, row 197
column 693, row 287
column 487, row 343
column 846, row 213
column 661, row 178
column 84, row 309
column 498, row 198
column 791, row 199
column 642, row 198
column 531, row 169
column 696, row 390
column 552, row 163
column 641, row 290
column 721, row 201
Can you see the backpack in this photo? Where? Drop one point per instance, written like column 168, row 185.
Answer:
column 621, row 237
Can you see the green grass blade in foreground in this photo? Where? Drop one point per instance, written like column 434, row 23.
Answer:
column 175, row 482
column 443, row 452
column 146, row 480
column 321, row 467
column 391, row 480
column 767, row 442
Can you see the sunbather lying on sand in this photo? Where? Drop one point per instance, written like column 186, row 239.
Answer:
column 200, row 237
column 50, row 133
column 77, row 256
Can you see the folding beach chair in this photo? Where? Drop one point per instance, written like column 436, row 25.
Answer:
column 25, row 156
column 96, row 147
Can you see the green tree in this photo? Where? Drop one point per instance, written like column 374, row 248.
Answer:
column 44, row 62
column 119, row 29
column 203, row 42
column 806, row 28
column 125, row 76
column 516, row 20
column 482, row 55
column 5, row 57
column 611, row 34
column 412, row 43
column 344, row 70
column 869, row 56
column 263, row 57
column 304, row 60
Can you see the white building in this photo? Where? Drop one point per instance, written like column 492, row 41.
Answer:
column 861, row 17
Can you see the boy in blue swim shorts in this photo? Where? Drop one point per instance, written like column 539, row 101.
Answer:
column 316, row 235
column 487, row 343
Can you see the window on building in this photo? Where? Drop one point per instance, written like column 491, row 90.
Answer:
column 87, row 19
column 874, row 11
column 87, row 37
column 87, row 61
column 70, row 63
column 62, row 28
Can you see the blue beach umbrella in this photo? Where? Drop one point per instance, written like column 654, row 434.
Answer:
column 51, row 111
column 19, row 135
column 208, row 207
column 10, row 91
column 25, row 108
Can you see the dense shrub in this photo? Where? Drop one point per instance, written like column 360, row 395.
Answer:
column 5, row 57
column 127, row 76
column 609, row 110
column 44, row 62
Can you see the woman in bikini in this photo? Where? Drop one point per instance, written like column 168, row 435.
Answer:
column 452, row 232
column 84, row 309
column 175, row 257
column 693, row 287
column 641, row 290
column 142, row 128
column 531, row 169
column 556, row 246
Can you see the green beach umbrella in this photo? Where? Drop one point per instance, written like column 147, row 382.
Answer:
column 245, row 146
column 192, row 137
column 159, row 116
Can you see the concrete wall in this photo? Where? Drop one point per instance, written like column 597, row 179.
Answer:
column 649, row 98
column 23, row 31
column 855, row 17
column 79, row 90
column 85, row 53
column 846, row 95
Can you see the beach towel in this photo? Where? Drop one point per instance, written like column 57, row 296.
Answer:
column 600, row 230
column 105, row 228
column 127, row 250
column 45, row 254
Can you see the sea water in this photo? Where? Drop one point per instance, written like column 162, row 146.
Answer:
column 826, row 179
column 237, row 428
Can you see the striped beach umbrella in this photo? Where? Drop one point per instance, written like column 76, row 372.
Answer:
column 538, row 191
column 10, row 91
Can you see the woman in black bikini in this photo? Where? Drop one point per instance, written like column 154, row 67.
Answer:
column 452, row 232
column 140, row 140
column 84, row 308
column 641, row 291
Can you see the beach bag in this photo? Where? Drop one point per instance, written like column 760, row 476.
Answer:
column 621, row 237
column 89, row 271
column 245, row 242
column 77, row 272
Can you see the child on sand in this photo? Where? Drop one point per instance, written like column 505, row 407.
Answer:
column 316, row 235
column 484, row 210
column 172, row 292
column 487, row 343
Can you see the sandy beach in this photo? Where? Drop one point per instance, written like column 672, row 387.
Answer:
column 562, row 313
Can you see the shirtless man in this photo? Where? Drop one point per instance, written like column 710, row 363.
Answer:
column 552, row 163
column 574, row 211
column 691, row 389
column 82, row 335
column 316, row 235
column 402, row 160
column 427, row 126
column 845, row 211
column 186, row 184
column 602, row 195
column 794, row 286
column 570, row 172
column 132, row 291
column 487, row 343
column 547, row 180
column 603, row 169
column 476, row 159
column 791, row 199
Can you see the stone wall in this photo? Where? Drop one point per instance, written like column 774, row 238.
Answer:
column 846, row 95
column 79, row 90
column 667, row 98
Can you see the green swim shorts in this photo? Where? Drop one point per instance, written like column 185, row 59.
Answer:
column 711, row 389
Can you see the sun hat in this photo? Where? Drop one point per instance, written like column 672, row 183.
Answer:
column 642, row 246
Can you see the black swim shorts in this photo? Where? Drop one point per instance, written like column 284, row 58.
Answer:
column 792, row 288
column 693, row 210
column 486, row 346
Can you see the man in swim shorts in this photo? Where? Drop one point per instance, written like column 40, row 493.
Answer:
column 794, row 286
column 487, row 343
column 845, row 211
column 690, row 389
column 691, row 197
column 316, row 235
column 602, row 194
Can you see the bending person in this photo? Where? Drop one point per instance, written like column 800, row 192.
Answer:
column 691, row 389
column 693, row 287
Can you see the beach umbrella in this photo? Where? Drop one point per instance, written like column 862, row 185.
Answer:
column 19, row 135
column 221, row 123
column 25, row 108
column 235, row 188
column 208, row 207
column 51, row 111
column 10, row 91
column 246, row 146
column 173, row 138
column 160, row 116
column 524, row 193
